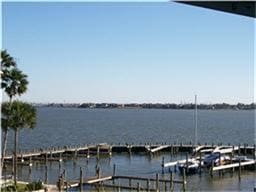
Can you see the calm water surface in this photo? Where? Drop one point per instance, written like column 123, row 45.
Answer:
column 70, row 126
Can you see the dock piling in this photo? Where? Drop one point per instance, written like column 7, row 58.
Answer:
column 184, row 180
column 98, row 152
column 157, row 182
column 114, row 173
column 138, row 187
column 81, row 180
column 46, row 175
column 171, row 182
column 148, row 189
column 186, row 162
column 162, row 165
column 200, row 164
column 239, row 171
column 211, row 169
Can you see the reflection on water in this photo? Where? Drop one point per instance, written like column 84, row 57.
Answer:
column 68, row 126
column 138, row 165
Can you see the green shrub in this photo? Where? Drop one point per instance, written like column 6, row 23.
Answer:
column 10, row 188
column 35, row 185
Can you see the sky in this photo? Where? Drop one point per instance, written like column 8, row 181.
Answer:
column 130, row 52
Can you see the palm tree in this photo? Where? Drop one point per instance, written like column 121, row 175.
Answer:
column 18, row 115
column 17, row 84
column 7, row 60
column 7, row 63
column 14, row 82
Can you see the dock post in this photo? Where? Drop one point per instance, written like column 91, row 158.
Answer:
column 97, row 172
column 46, row 158
column 219, row 164
column 175, row 168
column 98, row 152
column 59, row 165
column 171, row 150
column 148, row 189
column 22, row 160
column 138, row 187
column 186, row 162
column 60, row 183
column 254, row 155
column 30, row 165
column 119, row 187
column 130, row 182
column 200, row 163
column 114, row 170
column 239, row 149
column 64, row 174
column 81, row 180
column 171, row 182
column 165, row 186
column 114, row 173
column 66, row 183
column 239, row 171
column 245, row 151
column 88, row 153
column 231, row 159
column 60, row 157
column 184, row 180
column 211, row 169
column 75, row 154
column 46, row 175
column 110, row 150
column 162, row 165
column 130, row 149
column 157, row 182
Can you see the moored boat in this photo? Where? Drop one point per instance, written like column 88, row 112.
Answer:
column 191, row 166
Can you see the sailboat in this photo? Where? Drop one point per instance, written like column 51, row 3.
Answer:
column 190, row 166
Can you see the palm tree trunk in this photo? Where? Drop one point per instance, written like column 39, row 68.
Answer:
column 4, row 147
column 5, row 141
column 15, row 156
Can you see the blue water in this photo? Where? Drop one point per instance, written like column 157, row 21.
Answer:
column 70, row 126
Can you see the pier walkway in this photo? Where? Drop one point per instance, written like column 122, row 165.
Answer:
column 56, row 153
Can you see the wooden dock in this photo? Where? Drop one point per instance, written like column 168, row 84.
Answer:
column 233, row 165
column 91, row 180
column 133, row 182
column 157, row 148
column 58, row 153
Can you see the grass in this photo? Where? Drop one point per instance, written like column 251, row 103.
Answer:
column 22, row 187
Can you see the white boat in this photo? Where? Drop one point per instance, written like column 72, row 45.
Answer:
column 225, row 149
column 215, row 158
column 190, row 166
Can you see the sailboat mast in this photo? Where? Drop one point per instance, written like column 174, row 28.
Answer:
column 196, row 142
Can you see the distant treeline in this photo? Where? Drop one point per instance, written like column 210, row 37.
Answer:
column 239, row 106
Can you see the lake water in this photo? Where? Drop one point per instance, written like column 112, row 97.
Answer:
column 71, row 126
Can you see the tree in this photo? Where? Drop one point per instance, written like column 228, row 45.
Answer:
column 14, row 82
column 17, row 83
column 7, row 60
column 7, row 64
column 18, row 115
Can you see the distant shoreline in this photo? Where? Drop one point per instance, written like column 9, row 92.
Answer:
column 217, row 106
